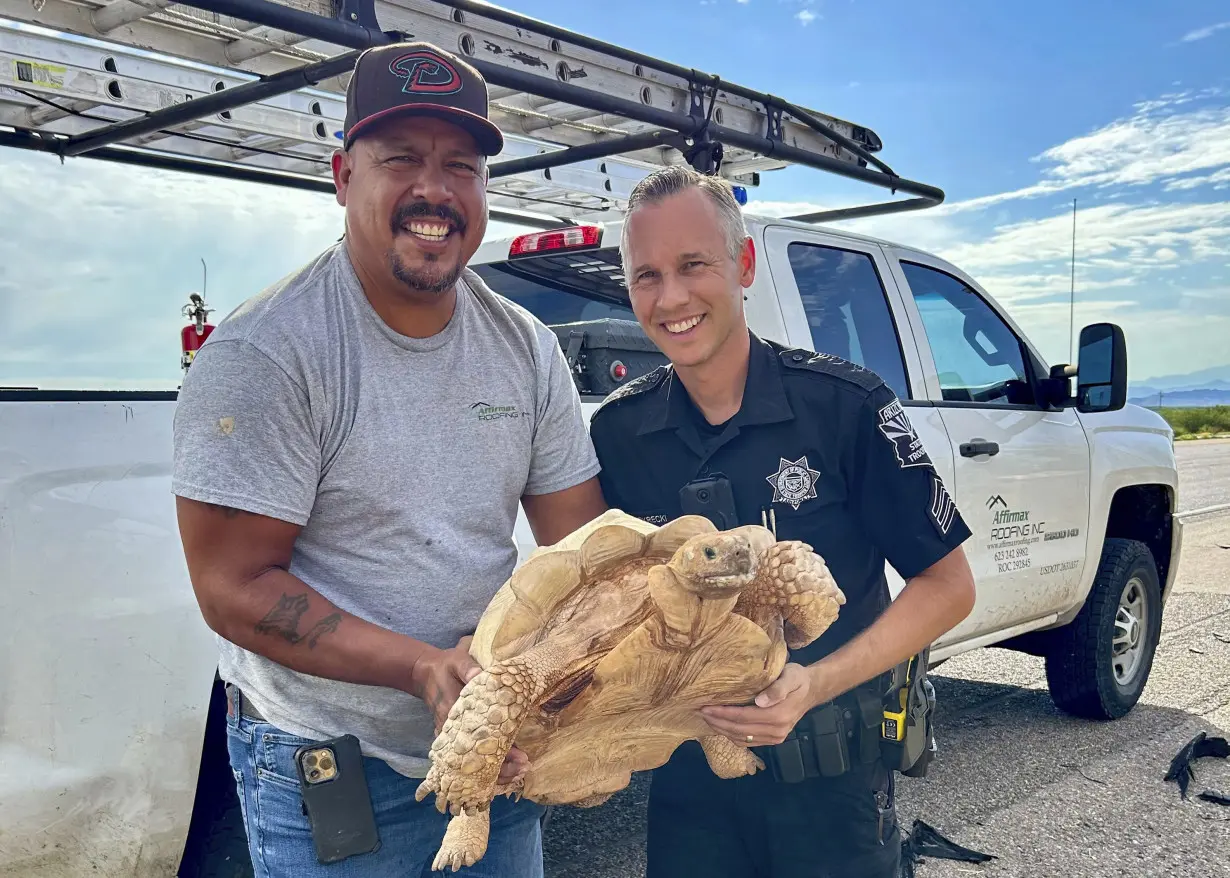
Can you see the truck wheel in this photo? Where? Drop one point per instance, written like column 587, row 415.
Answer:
column 1100, row 661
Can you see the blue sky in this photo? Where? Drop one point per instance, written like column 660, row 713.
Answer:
column 1012, row 109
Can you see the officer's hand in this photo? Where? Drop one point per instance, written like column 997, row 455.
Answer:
column 439, row 680
column 776, row 711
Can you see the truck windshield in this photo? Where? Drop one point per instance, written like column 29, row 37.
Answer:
column 563, row 288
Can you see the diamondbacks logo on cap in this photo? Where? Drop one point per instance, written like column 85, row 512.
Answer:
column 424, row 71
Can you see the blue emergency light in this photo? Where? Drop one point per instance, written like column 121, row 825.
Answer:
column 740, row 194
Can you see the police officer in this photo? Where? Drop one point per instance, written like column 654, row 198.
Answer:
column 819, row 449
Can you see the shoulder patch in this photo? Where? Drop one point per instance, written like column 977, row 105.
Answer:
column 897, row 429
column 643, row 384
column 827, row 364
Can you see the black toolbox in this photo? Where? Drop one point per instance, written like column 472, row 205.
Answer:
column 606, row 354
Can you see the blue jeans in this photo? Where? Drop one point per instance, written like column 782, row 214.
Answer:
column 280, row 838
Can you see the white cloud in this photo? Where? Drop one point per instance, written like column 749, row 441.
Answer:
column 805, row 16
column 1205, row 32
column 1158, row 142
column 1114, row 235
column 1218, row 180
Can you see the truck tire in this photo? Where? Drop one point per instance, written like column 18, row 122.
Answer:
column 1099, row 663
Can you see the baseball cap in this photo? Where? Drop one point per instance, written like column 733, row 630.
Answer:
column 417, row 78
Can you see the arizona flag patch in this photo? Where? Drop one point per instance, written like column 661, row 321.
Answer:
column 898, row 430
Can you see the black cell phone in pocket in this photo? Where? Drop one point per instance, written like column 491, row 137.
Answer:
column 336, row 798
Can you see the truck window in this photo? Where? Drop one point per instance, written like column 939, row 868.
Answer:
column 978, row 357
column 847, row 310
column 563, row 288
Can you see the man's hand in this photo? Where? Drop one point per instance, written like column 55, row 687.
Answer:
column 777, row 710
column 438, row 679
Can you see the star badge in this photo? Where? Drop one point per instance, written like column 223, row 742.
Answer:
column 793, row 482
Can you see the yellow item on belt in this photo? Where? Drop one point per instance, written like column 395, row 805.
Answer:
column 893, row 727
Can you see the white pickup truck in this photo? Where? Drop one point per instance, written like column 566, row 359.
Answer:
column 111, row 739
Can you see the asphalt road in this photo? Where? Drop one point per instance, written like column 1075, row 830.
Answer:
column 1204, row 473
column 1044, row 793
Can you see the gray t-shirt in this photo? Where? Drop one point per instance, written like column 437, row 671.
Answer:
column 403, row 459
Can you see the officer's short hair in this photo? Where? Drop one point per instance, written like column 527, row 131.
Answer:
column 670, row 181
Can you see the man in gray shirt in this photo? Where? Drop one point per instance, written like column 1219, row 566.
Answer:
column 351, row 448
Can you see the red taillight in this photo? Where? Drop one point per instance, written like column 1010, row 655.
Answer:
column 575, row 238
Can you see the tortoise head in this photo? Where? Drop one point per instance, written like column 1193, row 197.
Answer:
column 715, row 565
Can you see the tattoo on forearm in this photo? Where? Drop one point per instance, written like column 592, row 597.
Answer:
column 284, row 618
column 327, row 625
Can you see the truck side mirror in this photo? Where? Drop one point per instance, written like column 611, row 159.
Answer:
column 1101, row 375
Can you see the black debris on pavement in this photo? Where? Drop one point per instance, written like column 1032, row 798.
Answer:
column 925, row 840
column 1215, row 796
column 1201, row 746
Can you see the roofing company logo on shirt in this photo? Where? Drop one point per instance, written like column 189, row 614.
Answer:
column 484, row 411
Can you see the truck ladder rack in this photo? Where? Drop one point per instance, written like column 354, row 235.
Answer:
column 255, row 90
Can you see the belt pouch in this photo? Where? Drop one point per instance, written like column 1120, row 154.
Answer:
column 829, row 739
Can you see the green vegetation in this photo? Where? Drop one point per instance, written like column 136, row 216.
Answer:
column 1197, row 423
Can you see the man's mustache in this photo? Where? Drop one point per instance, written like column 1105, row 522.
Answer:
column 423, row 210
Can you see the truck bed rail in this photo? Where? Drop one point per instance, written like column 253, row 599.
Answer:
column 254, row 89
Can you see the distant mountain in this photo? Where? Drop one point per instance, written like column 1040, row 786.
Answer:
column 1195, row 398
column 1215, row 378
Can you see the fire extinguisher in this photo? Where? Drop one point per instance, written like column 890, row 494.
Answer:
column 194, row 335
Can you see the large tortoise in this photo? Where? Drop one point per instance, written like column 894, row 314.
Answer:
column 599, row 651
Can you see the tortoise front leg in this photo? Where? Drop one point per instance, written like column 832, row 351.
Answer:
column 482, row 725
column 795, row 581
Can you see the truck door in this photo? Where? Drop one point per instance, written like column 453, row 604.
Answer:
column 835, row 300
column 1021, row 469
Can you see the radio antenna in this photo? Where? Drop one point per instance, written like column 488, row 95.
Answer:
column 1072, row 291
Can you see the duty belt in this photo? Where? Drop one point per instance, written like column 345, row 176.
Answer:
column 831, row 738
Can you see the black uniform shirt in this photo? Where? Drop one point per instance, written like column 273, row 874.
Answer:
column 820, row 441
